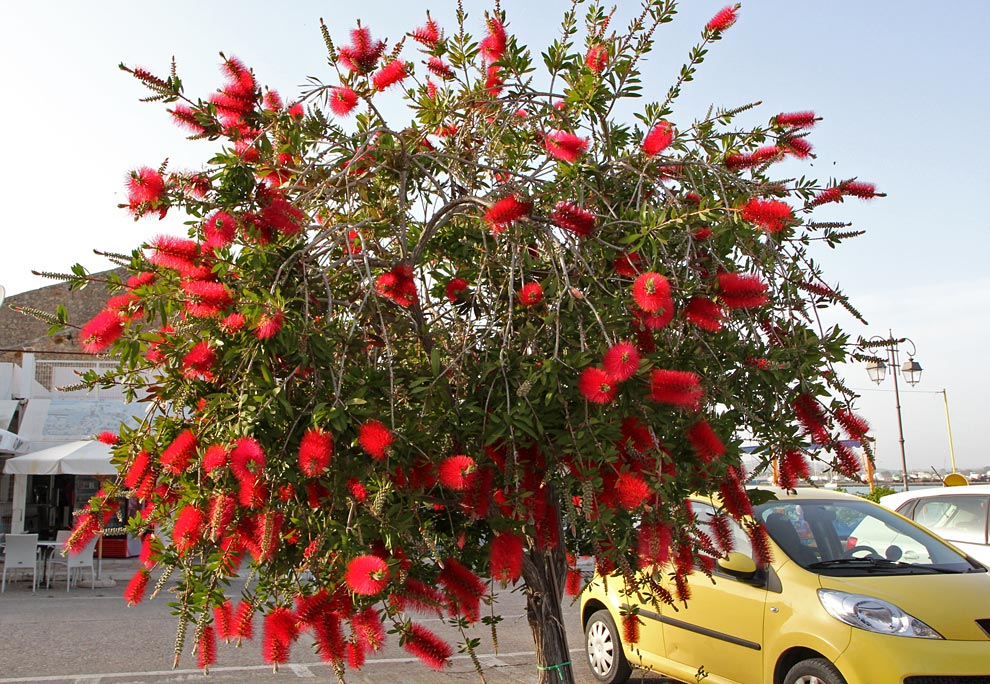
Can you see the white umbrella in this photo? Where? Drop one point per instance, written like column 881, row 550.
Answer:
column 86, row 457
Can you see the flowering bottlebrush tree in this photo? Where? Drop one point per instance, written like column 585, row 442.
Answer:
column 391, row 367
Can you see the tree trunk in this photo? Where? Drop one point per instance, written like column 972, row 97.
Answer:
column 544, row 571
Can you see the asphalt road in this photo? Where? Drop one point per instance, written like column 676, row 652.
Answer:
column 90, row 636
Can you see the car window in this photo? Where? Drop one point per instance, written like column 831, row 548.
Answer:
column 956, row 518
column 705, row 512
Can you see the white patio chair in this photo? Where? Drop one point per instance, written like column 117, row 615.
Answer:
column 21, row 554
column 73, row 563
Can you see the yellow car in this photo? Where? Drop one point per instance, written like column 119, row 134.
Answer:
column 854, row 594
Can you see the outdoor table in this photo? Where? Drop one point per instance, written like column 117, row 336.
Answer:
column 46, row 548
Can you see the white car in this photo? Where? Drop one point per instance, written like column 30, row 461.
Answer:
column 957, row 514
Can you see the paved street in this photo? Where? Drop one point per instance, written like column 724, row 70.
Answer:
column 90, row 636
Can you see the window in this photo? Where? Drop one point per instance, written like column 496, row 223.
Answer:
column 960, row 518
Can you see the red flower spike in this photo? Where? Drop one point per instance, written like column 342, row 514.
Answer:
column 597, row 58
column 454, row 287
column 652, row 292
column 564, row 146
column 791, row 467
column 704, row 313
column 797, row 146
column 219, row 230
column 812, row 417
column 368, row 630
column 137, row 469
column 214, row 458
column 427, row 646
column 506, row 557
column 739, row 291
column 771, row 215
column 530, row 294
column 706, row 444
column 653, row 544
column 144, row 186
column 494, row 81
column 108, row 437
column 355, row 656
column 860, row 190
column 140, row 280
column 761, row 547
column 428, row 34
column 233, row 323
column 507, row 210
column 223, row 618
column 678, row 388
column 573, row 583
column 366, row 575
column 363, row 53
column 392, row 73
column 796, row 119
column 329, row 639
column 101, row 331
column 374, row 438
column 722, row 532
column 658, row 139
column 630, row 628
column 463, row 587
column 247, row 459
column 222, row 511
column 440, row 68
column 628, row 264
column 280, row 630
column 177, row 455
column 198, row 362
column 493, row 45
column 631, row 491
column 597, row 386
column 725, row 18
column 315, row 452
column 357, row 490
column 621, row 361
column 855, row 426
column 847, row 463
column 243, row 625
column 269, row 325
column 188, row 529
column 185, row 117
column 134, row 593
column 571, row 217
column 174, row 253
column 454, row 471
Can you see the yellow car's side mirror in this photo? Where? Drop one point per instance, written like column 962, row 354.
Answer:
column 738, row 565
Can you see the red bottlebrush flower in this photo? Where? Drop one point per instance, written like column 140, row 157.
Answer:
column 739, row 291
column 573, row 218
column 637, row 435
column 812, row 417
column 741, row 160
column 507, row 210
column 315, row 452
column 658, row 139
column 315, row 494
column 858, row 189
column 363, row 53
column 463, row 586
column 280, row 215
column 628, row 264
column 101, row 331
column 398, row 285
column 109, row 438
column 280, row 630
column 846, row 461
column 199, row 361
column 506, row 557
column 222, row 510
column 597, row 386
column 219, row 230
column 440, row 68
column 493, row 45
column 87, row 526
column 725, row 18
column 722, row 532
column 137, row 469
column 758, row 540
column 770, row 215
column 188, row 529
column 573, row 582
column 530, row 294
column 206, row 648
column 207, row 296
column 797, row 146
column 796, row 119
column 140, row 280
column 428, row 34
column 422, row 596
column 366, row 575
column 329, row 638
column 678, row 388
column 454, row 287
column 855, row 426
column 177, row 455
column 374, row 438
column 631, row 491
column 654, row 543
column 355, row 656
column 791, row 468
column 265, row 535
column 134, row 593
column 233, row 323
column 564, row 146
column 247, row 459
column 185, row 117
column 223, row 618
column 389, row 75
column 621, row 361
column 494, row 81
column 144, row 185
column 268, row 325
column 646, row 322
column 427, row 646
column 630, row 628
column 367, row 629
column 296, row 111
column 243, row 625
column 705, row 442
column 273, row 101
column 454, row 471
column 174, row 253
column 704, row 313
column 597, row 58
column 652, row 292
column 357, row 490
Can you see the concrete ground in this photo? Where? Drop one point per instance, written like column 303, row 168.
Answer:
column 90, row 636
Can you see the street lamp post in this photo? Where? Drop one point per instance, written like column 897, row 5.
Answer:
column 876, row 368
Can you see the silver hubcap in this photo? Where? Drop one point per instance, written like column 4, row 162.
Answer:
column 600, row 648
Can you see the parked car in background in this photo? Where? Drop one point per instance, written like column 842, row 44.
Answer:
column 957, row 514
column 854, row 594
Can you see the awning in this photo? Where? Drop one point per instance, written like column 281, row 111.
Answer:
column 86, row 457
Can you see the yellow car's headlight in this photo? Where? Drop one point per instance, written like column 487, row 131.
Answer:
column 874, row 615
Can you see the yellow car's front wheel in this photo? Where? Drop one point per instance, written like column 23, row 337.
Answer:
column 604, row 649
column 814, row 671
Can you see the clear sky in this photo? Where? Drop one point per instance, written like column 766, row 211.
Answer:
column 902, row 87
